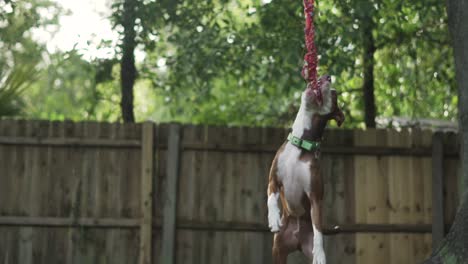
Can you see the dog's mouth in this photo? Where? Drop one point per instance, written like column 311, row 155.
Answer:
column 315, row 96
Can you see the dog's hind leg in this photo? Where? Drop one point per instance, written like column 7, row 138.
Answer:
column 316, row 214
column 315, row 199
column 285, row 241
column 306, row 240
column 279, row 256
column 298, row 227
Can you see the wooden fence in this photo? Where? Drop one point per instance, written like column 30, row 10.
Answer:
column 145, row 193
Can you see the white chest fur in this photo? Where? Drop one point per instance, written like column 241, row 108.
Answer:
column 295, row 177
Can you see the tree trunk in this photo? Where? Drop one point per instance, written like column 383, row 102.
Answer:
column 368, row 71
column 127, row 64
column 458, row 25
column 454, row 247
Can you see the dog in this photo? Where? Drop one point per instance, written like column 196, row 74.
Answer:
column 295, row 178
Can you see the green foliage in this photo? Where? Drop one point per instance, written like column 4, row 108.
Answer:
column 223, row 66
column 65, row 89
column 12, row 86
column 19, row 53
column 415, row 62
column 64, row 85
column 238, row 62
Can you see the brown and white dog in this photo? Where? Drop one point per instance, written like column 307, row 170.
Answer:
column 295, row 178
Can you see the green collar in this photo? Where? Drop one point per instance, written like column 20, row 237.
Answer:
column 302, row 143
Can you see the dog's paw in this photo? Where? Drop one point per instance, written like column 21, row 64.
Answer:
column 274, row 217
column 274, row 222
column 319, row 255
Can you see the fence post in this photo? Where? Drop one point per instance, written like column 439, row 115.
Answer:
column 438, row 231
column 170, row 196
column 147, row 159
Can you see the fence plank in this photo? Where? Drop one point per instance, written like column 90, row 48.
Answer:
column 368, row 196
column 147, row 159
column 336, row 199
column 437, row 191
column 452, row 186
column 427, row 185
column 170, row 198
column 377, row 197
column 26, row 233
column 397, row 170
column 417, row 197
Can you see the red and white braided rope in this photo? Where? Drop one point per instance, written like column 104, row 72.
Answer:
column 309, row 70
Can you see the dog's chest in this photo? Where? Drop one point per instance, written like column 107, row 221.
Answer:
column 295, row 177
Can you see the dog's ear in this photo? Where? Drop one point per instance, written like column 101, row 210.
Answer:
column 336, row 112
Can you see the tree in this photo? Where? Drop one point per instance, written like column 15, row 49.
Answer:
column 365, row 14
column 387, row 28
column 238, row 62
column 454, row 247
column 127, row 64
column 138, row 20
column 368, row 64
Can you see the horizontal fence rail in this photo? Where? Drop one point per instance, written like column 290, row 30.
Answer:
column 212, row 226
column 69, row 142
column 105, row 143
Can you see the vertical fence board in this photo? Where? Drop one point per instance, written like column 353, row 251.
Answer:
column 26, row 233
column 337, row 201
column 452, row 186
column 437, row 191
column 75, row 158
column 427, row 183
column 406, row 193
column 147, row 152
column 186, row 240
column 417, row 196
column 377, row 197
column 170, row 197
column 371, row 198
column 397, row 173
column 64, row 177
column 451, row 189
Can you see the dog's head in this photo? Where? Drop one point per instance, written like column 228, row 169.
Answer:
column 318, row 100
column 323, row 101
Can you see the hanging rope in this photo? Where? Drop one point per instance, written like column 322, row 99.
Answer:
column 309, row 70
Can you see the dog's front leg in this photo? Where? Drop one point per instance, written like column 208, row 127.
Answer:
column 316, row 215
column 274, row 213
